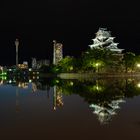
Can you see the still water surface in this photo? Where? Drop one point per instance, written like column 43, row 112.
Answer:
column 70, row 109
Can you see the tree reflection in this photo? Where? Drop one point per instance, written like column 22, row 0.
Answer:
column 104, row 96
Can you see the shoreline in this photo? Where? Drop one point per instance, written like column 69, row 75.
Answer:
column 97, row 75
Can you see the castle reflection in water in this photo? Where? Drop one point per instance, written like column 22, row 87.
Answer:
column 104, row 96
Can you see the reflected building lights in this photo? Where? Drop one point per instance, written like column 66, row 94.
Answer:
column 103, row 100
column 57, row 98
column 34, row 87
column 23, row 85
column 3, row 79
column 105, row 112
column 1, row 82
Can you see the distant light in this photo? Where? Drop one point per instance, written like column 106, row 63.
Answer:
column 10, row 69
column 3, row 77
column 30, row 69
column 138, row 85
column 138, row 65
column 3, row 73
column 71, row 83
column 10, row 81
column 57, row 81
column 97, row 64
column 30, row 80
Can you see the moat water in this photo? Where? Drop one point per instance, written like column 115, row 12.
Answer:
column 70, row 109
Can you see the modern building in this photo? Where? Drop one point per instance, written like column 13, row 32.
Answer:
column 57, row 52
column 23, row 66
column 36, row 64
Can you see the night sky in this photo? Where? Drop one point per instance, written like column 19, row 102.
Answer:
column 71, row 22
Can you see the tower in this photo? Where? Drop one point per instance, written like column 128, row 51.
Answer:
column 104, row 39
column 16, row 44
column 57, row 52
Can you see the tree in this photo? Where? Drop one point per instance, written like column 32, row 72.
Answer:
column 95, row 59
column 67, row 64
column 137, row 63
column 129, row 61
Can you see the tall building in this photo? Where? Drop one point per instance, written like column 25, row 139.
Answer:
column 103, row 39
column 57, row 52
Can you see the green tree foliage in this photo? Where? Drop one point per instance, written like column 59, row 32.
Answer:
column 96, row 59
column 129, row 60
column 99, row 60
column 137, row 63
column 67, row 64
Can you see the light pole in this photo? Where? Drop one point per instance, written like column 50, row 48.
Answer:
column 16, row 44
column 138, row 65
column 97, row 66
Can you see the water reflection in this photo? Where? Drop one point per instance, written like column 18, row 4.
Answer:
column 105, row 111
column 17, row 100
column 104, row 96
column 58, row 97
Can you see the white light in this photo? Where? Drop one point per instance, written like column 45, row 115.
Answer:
column 138, row 65
column 97, row 64
column 138, row 85
column 10, row 81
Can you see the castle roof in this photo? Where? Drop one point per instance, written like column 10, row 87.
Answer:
column 103, row 39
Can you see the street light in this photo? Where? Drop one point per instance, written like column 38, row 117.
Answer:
column 138, row 65
column 138, row 85
column 16, row 44
column 97, row 65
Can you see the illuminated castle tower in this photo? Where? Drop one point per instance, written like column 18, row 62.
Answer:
column 57, row 52
column 57, row 99
column 103, row 39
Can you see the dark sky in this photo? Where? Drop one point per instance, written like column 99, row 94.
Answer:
column 72, row 22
